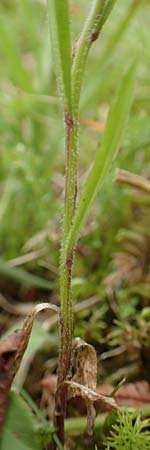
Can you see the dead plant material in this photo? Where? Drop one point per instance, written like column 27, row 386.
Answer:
column 131, row 264
column 131, row 394
column 28, row 257
column 85, row 364
column 8, row 350
column 11, row 353
column 94, row 124
column 17, row 309
column 85, row 374
column 84, row 381
column 131, row 179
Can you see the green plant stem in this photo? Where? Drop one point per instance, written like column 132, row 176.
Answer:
column 65, row 277
column 110, row 142
column 77, row 425
column 89, row 34
column 95, row 20
column 93, row 25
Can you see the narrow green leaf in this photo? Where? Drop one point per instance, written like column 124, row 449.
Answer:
column 61, row 45
column 110, row 143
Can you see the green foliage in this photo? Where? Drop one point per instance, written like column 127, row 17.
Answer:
column 110, row 143
column 30, row 123
column 12, row 56
column 30, row 187
column 129, row 434
column 18, row 433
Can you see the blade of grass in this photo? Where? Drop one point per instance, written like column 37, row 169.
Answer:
column 61, row 43
column 111, row 140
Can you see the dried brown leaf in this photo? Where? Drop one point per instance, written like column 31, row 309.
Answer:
column 8, row 349
column 11, row 353
column 85, row 361
column 89, row 394
column 134, row 394
column 84, row 381
column 94, row 124
column 85, row 374
column 130, row 394
column 131, row 179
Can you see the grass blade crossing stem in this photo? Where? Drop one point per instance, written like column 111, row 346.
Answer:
column 111, row 140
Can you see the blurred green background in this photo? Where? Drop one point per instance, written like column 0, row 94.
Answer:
column 32, row 164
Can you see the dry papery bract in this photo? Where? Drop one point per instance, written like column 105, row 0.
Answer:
column 84, row 380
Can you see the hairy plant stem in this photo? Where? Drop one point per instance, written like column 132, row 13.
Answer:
column 81, row 48
column 66, row 263
column 90, row 33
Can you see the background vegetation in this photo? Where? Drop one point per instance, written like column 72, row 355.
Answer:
column 112, row 271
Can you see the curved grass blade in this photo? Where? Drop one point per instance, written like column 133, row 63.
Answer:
column 61, row 44
column 110, row 142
